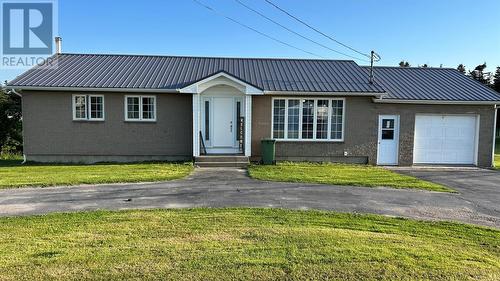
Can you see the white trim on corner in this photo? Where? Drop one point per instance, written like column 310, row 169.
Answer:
column 196, row 125
column 476, row 139
column 248, row 126
column 314, row 121
column 397, row 101
column 140, row 119
column 194, row 88
column 495, row 108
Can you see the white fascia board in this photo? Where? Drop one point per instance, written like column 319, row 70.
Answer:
column 340, row 94
column 396, row 101
column 194, row 88
column 84, row 89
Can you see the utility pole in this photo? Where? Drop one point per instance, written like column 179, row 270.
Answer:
column 374, row 57
column 372, row 54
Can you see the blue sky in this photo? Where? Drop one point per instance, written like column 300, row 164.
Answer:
column 445, row 32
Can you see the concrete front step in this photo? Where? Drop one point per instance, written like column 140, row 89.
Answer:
column 221, row 164
column 221, row 161
column 221, row 158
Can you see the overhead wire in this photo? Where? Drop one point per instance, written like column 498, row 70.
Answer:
column 315, row 29
column 296, row 33
column 253, row 29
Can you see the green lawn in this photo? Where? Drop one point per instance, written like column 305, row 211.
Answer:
column 340, row 174
column 497, row 154
column 13, row 174
column 243, row 244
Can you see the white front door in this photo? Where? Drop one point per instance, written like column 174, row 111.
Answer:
column 223, row 122
column 388, row 140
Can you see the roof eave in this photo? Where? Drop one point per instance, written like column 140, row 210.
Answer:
column 402, row 101
column 355, row 94
column 89, row 89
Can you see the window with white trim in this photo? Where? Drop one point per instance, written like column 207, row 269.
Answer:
column 88, row 107
column 140, row 108
column 308, row 119
column 279, row 119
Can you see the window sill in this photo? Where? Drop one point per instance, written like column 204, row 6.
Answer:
column 88, row 120
column 307, row 140
column 140, row 121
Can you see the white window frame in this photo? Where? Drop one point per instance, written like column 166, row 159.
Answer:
column 314, row 139
column 87, row 107
column 140, row 119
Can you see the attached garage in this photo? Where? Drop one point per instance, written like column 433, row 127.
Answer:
column 446, row 139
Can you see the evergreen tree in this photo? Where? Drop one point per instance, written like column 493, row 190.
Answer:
column 461, row 68
column 496, row 80
column 10, row 122
column 480, row 75
column 404, row 64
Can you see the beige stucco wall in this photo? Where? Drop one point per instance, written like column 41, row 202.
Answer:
column 361, row 129
column 50, row 134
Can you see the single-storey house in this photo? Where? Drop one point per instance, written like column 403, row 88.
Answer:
column 98, row 107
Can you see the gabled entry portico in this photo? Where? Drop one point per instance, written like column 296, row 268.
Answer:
column 222, row 114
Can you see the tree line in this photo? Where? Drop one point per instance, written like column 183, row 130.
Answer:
column 479, row 74
column 11, row 139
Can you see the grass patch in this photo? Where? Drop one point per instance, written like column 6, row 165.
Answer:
column 497, row 154
column 340, row 174
column 243, row 244
column 13, row 174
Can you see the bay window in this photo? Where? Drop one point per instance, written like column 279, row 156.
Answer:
column 293, row 119
column 322, row 119
column 279, row 119
column 140, row 108
column 308, row 119
column 336, row 123
column 88, row 107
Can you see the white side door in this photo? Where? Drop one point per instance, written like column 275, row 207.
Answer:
column 388, row 140
column 223, row 122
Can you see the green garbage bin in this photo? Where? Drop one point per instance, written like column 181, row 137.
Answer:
column 268, row 151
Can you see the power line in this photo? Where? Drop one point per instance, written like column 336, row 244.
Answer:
column 315, row 29
column 296, row 33
column 253, row 29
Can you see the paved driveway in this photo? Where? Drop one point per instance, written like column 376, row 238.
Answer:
column 477, row 202
column 479, row 187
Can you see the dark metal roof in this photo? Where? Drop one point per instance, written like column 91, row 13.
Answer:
column 433, row 84
column 171, row 72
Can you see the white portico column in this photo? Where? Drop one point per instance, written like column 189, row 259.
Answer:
column 248, row 125
column 196, row 125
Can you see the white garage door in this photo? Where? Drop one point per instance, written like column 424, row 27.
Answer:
column 445, row 139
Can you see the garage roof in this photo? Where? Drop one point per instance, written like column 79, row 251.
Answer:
column 173, row 72
column 432, row 84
